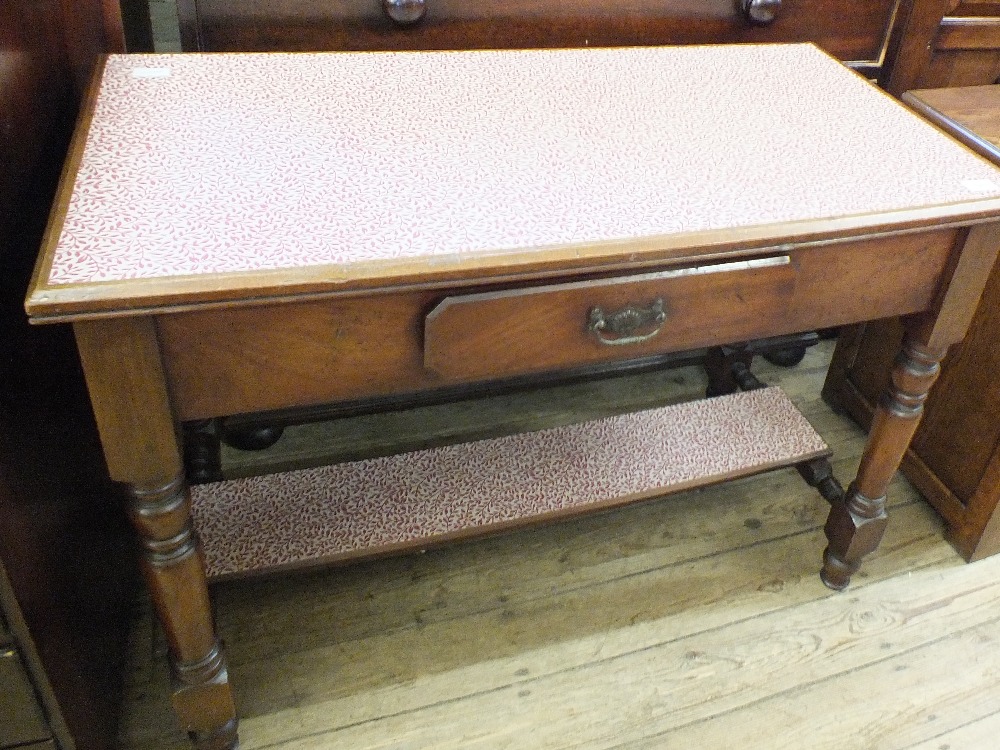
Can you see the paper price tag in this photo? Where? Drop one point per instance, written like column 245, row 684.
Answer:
column 981, row 186
column 150, row 72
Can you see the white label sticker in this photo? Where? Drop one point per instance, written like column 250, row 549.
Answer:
column 150, row 72
column 981, row 186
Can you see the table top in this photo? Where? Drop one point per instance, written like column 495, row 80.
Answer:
column 212, row 177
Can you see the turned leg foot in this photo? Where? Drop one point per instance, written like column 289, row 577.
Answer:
column 854, row 529
column 835, row 574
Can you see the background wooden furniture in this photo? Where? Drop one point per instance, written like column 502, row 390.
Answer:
column 885, row 40
column 964, row 50
column 859, row 31
column 955, row 456
column 65, row 580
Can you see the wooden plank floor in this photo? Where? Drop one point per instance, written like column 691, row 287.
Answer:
column 697, row 621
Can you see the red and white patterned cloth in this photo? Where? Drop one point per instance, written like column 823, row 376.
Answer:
column 377, row 504
column 212, row 164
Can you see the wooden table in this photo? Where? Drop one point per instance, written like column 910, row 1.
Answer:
column 954, row 458
column 244, row 233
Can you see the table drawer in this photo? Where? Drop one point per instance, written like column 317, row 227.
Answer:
column 277, row 355
column 496, row 334
column 854, row 30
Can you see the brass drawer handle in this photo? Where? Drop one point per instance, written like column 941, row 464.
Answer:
column 623, row 324
column 760, row 12
column 405, row 12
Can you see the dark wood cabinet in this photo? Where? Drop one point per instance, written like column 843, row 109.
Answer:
column 965, row 48
column 864, row 33
column 23, row 718
column 64, row 590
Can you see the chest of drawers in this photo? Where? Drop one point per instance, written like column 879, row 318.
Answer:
column 861, row 32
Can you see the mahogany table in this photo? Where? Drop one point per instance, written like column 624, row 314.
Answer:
column 244, row 233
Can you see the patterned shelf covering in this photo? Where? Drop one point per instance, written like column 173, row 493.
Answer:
column 224, row 163
column 418, row 498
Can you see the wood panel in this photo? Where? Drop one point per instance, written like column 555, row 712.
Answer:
column 910, row 44
column 965, row 48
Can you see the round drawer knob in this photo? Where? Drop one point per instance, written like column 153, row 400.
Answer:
column 760, row 12
column 404, row 12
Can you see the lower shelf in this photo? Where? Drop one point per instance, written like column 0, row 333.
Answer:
column 413, row 500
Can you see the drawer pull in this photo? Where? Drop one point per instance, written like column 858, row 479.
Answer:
column 622, row 325
column 405, row 12
column 760, row 12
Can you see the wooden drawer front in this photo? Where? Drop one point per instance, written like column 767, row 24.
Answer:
column 514, row 331
column 853, row 30
column 232, row 361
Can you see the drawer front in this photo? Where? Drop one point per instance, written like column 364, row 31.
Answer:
column 274, row 356
column 854, row 30
column 498, row 333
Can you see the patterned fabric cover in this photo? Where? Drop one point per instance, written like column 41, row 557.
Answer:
column 380, row 503
column 209, row 164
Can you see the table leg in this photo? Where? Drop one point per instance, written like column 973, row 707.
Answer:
column 855, row 525
column 175, row 574
column 857, row 522
column 124, row 372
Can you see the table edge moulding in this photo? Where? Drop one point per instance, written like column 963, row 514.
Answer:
column 240, row 233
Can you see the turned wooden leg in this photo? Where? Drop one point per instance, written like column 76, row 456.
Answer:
column 121, row 361
column 858, row 520
column 175, row 574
